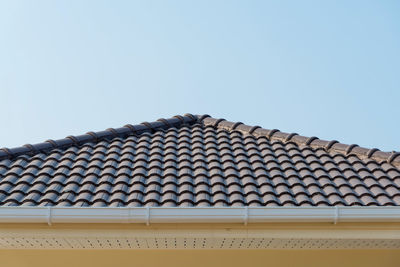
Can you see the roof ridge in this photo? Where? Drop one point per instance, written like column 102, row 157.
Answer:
column 313, row 141
column 90, row 137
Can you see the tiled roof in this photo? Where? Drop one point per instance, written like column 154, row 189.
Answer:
column 197, row 161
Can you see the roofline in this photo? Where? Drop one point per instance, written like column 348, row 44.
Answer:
column 90, row 137
column 313, row 141
column 189, row 119
column 244, row 215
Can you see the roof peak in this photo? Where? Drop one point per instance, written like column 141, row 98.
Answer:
column 189, row 119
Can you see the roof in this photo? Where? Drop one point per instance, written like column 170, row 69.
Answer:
column 197, row 161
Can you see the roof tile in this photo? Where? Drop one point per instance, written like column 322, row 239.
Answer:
column 197, row 163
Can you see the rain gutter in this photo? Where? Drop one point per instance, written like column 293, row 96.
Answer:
column 243, row 215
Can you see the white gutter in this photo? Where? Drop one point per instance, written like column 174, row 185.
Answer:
column 245, row 215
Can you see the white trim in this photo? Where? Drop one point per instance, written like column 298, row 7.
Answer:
column 145, row 215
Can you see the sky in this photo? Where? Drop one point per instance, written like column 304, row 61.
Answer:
column 318, row 68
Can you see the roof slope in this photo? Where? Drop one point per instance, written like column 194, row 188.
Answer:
column 197, row 161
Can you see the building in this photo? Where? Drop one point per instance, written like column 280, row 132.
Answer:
column 200, row 191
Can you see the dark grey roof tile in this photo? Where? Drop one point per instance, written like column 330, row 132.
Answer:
column 392, row 173
column 385, row 182
column 293, row 180
column 352, row 200
column 377, row 190
column 117, row 197
column 267, row 189
column 396, row 182
column 232, row 180
column 245, row 173
column 185, row 188
column 220, row 198
column 186, row 179
column 105, row 188
column 298, row 189
column 261, row 173
column 392, row 191
column 287, row 199
column 218, row 188
column 251, row 198
column 170, row 171
column 49, row 197
column 202, row 188
column 186, row 197
column 362, row 191
column 6, row 187
column 329, row 190
column 319, row 199
column 339, row 181
column 94, row 179
column 235, row 188
column 396, row 200
column 367, row 200
column 346, row 190
column 169, row 179
column 282, row 189
column 120, row 187
column 38, row 187
column 199, row 164
column 87, row 187
column 152, row 197
column 335, row 200
column 303, row 199
column 169, row 188
column 153, row 188
column 33, row 197
column 385, row 200
column 186, row 171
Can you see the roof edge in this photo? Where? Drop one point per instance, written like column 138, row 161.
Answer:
column 90, row 137
column 313, row 141
column 189, row 119
column 244, row 215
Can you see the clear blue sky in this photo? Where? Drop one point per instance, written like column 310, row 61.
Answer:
column 324, row 68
